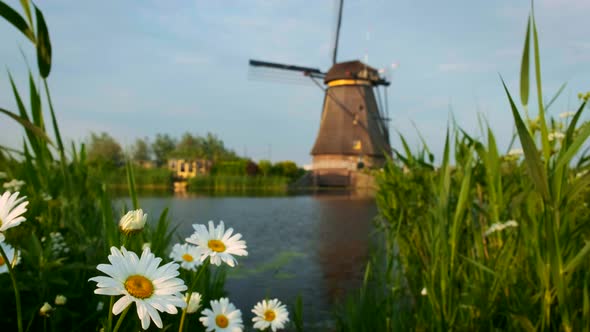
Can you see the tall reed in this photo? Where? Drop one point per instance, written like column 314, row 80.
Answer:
column 493, row 242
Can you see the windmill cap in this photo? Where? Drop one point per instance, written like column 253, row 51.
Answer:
column 352, row 70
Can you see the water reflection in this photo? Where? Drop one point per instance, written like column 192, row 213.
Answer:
column 313, row 245
column 343, row 241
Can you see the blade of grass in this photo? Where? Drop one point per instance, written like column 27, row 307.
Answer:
column 524, row 66
column 532, row 159
column 557, row 94
column 577, row 260
column 131, row 183
column 43, row 45
column 544, row 135
column 28, row 125
column 14, row 18
column 27, row 8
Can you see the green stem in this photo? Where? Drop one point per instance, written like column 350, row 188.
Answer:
column 121, row 318
column 190, row 291
column 110, row 321
column 188, row 298
column 14, row 285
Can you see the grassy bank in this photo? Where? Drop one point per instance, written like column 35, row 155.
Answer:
column 496, row 241
column 238, row 184
column 145, row 178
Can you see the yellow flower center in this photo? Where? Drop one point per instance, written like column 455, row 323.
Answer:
column 187, row 257
column 139, row 286
column 269, row 315
column 1, row 261
column 221, row 321
column 216, row 245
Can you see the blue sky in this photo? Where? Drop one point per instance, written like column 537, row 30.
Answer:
column 137, row 68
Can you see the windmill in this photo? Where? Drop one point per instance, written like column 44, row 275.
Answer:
column 353, row 131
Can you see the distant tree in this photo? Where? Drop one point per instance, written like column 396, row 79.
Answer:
column 189, row 147
column 141, row 150
column 265, row 167
column 286, row 168
column 162, row 147
column 209, row 147
column 104, row 149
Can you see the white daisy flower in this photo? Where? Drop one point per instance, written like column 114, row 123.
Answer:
column 187, row 255
column 218, row 243
column 12, row 255
column 132, row 222
column 194, row 303
column 14, row 185
column 222, row 317
column 153, row 288
column 270, row 313
column 11, row 210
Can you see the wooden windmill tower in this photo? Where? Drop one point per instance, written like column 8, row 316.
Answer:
column 353, row 131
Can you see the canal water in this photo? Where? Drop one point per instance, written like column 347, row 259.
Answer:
column 315, row 246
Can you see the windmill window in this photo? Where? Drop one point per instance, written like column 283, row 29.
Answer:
column 357, row 145
column 361, row 107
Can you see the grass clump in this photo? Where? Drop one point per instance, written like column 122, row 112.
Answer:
column 495, row 241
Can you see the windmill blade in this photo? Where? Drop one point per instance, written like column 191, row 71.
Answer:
column 274, row 65
column 340, row 4
column 282, row 73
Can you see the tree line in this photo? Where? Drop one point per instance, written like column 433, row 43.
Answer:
column 104, row 152
column 104, row 149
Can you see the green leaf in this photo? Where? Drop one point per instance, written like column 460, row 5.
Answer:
column 131, row 183
column 35, row 104
column 27, row 7
column 43, row 45
column 407, row 149
column 544, row 135
column 557, row 94
column 573, row 148
column 525, row 323
column 577, row 187
column 479, row 265
column 28, row 125
column 532, row 159
column 524, row 66
column 569, row 134
column 573, row 264
column 14, row 18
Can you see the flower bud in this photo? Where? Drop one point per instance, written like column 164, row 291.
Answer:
column 46, row 309
column 194, row 303
column 60, row 300
column 133, row 222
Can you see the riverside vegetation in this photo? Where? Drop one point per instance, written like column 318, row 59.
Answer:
column 495, row 242
column 58, row 229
